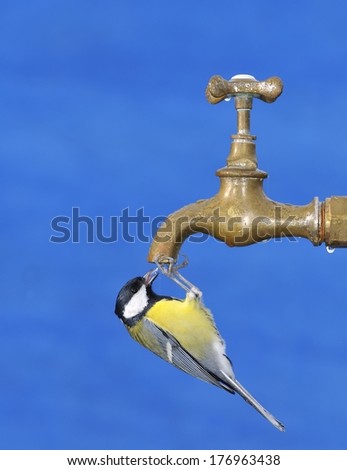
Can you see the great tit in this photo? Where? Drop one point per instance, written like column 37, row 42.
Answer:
column 183, row 333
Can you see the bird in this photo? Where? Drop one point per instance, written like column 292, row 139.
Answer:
column 182, row 332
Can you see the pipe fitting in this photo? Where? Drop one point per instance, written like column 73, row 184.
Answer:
column 335, row 222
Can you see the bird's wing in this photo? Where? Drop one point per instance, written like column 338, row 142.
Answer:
column 169, row 349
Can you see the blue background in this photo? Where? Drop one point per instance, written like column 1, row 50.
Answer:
column 102, row 107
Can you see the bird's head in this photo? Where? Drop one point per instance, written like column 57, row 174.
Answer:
column 135, row 297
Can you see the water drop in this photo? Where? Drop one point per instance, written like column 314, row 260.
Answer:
column 330, row 249
column 228, row 98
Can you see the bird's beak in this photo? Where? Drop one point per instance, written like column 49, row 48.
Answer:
column 151, row 276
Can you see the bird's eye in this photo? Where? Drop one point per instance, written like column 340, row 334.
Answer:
column 133, row 290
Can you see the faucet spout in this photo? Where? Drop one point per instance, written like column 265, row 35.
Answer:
column 240, row 214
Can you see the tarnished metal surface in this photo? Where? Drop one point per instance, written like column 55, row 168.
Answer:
column 335, row 221
column 240, row 214
column 218, row 88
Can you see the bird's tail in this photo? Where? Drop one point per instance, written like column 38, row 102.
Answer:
column 252, row 401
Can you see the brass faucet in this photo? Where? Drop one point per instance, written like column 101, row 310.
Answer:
column 240, row 214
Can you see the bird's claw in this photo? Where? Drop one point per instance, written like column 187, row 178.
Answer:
column 169, row 267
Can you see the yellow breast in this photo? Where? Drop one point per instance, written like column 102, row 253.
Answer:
column 188, row 321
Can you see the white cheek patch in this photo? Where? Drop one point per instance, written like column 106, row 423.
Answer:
column 136, row 304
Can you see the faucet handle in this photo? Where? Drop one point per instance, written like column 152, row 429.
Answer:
column 219, row 89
